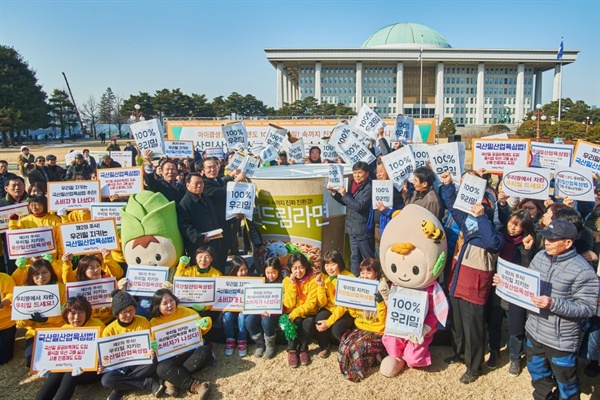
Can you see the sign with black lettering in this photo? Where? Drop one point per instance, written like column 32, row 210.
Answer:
column 399, row 165
column 148, row 135
column 240, row 199
column 471, row 192
column 383, row 191
column 235, row 135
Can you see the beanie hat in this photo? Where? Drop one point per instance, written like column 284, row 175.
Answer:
column 121, row 300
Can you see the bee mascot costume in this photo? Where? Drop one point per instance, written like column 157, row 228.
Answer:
column 412, row 254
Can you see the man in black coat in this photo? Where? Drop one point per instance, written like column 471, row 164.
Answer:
column 196, row 215
column 4, row 177
column 168, row 184
column 55, row 172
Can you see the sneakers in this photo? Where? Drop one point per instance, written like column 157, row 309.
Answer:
column 455, row 359
column 229, row 347
column 492, row 362
column 467, row 378
column 201, row 389
column 116, row 395
column 514, row 369
column 242, row 346
column 325, row 353
column 304, row 358
column 157, row 389
column 170, row 389
column 293, row 359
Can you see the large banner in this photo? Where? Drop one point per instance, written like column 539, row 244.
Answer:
column 496, row 154
column 209, row 133
column 72, row 194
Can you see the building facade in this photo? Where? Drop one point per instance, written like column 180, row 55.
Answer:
column 411, row 69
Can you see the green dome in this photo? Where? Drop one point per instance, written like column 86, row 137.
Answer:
column 406, row 36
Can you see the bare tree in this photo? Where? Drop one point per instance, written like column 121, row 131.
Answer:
column 118, row 118
column 91, row 111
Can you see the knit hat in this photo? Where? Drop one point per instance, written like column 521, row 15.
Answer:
column 121, row 300
column 24, row 147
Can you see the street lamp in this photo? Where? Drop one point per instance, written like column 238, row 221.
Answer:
column 587, row 121
column 136, row 113
column 538, row 115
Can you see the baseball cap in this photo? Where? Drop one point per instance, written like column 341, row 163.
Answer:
column 78, row 155
column 560, row 229
column 50, row 157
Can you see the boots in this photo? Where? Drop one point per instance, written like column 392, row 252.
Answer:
column 259, row 339
column 270, row 347
column 242, row 346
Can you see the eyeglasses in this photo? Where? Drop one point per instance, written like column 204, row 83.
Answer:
column 41, row 161
column 76, row 298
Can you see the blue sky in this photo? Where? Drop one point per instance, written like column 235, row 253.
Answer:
column 216, row 47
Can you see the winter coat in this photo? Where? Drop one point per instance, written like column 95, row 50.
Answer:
column 359, row 212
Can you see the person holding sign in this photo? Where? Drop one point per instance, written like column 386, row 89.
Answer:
column 568, row 294
column 424, row 194
column 177, row 370
column 300, row 301
column 8, row 329
column 40, row 273
column 133, row 377
column 262, row 326
column 61, row 385
column 237, row 267
column 359, row 214
column 470, row 280
column 331, row 318
column 168, row 185
column 362, row 347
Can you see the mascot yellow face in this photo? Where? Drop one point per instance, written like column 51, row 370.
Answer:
column 413, row 248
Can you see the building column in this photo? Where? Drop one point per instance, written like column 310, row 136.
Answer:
column 479, row 117
column 520, row 95
column 279, row 85
column 400, row 88
column 318, row 81
column 556, row 88
column 439, row 91
column 538, row 88
column 359, row 94
column 288, row 89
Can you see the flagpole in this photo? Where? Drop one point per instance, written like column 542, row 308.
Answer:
column 421, row 81
column 560, row 56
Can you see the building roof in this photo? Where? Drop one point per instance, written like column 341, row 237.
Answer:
column 406, row 35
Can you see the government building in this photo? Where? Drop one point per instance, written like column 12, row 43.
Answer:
column 411, row 69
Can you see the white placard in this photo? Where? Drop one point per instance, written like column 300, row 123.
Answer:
column 550, row 155
column 107, row 210
column 269, row 153
column 329, row 152
column 149, row 136
column 368, row 121
column 342, row 132
column 145, row 280
column 518, row 284
column 72, row 194
column 69, row 157
column 27, row 300
column 235, row 135
column 261, row 298
column 527, row 183
column 30, row 242
column 240, row 199
column 577, row 183
column 399, row 165
column 383, row 191
column 470, row 192
column 587, row 155
column 276, row 135
column 445, row 157
column 249, row 165
column 496, row 136
column 122, row 157
column 216, row 152
column 89, row 236
column 236, row 162
column 229, row 292
column 420, row 153
column 406, row 311
column 181, row 149
column 177, row 337
column 63, row 350
column 21, row 209
column 125, row 350
column 354, row 151
column 496, row 154
column 356, row 293
column 191, row 290
column 96, row 291
column 405, row 129
column 120, row 181
column 295, row 151
column 336, row 176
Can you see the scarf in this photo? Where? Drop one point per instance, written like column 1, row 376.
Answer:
column 512, row 242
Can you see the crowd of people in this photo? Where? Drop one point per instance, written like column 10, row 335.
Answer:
column 559, row 238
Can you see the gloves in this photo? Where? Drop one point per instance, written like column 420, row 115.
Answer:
column 378, row 297
column 14, row 217
column 184, row 260
column 383, row 289
column 154, row 345
column 77, row 371
column 48, row 257
column 21, row 262
column 62, row 212
column 202, row 323
column 37, row 317
column 198, row 307
column 43, row 373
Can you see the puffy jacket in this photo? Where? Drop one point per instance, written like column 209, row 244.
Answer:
column 359, row 211
column 573, row 286
column 326, row 297
column 474, row 261
column 300, row 298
